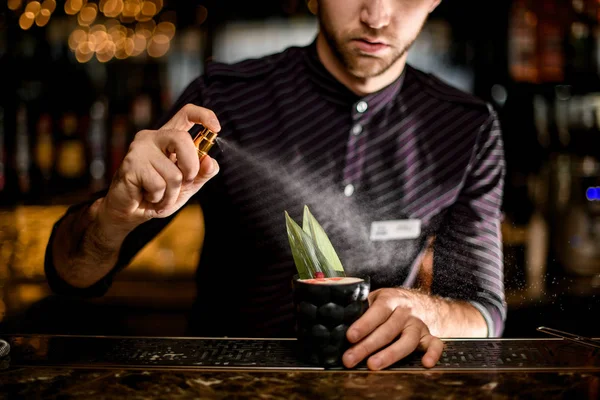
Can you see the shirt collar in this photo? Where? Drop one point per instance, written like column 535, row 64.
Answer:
column 333, row 90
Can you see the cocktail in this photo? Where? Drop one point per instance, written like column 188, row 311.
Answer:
column 326, row 301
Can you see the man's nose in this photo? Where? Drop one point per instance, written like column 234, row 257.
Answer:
column 376, row 13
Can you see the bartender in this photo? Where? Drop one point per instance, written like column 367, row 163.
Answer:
column 356, row 129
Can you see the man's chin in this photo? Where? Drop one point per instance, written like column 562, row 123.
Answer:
column 367, row 70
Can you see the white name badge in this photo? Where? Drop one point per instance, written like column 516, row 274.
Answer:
column 395, row 229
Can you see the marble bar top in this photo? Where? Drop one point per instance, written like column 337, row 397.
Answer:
column 96, row 367
column 116, row 384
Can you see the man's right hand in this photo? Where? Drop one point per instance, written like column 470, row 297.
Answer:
column 160, row 172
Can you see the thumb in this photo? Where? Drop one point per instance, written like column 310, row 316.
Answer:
column 208, row 169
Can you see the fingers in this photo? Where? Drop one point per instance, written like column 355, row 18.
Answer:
column 376, row 315
column 191, row 114
column 433, row 347
column 181, row 144
column 208, row 168
column 161, row 170
column 174, row 138
column 378, row 336
column 153, row 185
column 407, row 343
column 172, row 178
column 412, row 333
column 162, row 181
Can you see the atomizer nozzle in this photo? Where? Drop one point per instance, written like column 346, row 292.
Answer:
column 204, row 141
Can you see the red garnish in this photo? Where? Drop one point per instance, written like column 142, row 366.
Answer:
column 319, row 275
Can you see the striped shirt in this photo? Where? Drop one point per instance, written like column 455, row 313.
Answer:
column 417, row 151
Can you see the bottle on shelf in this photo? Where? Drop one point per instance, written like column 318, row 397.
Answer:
column 71, row 160
column 141, row 112
column 2, row 153
column 9, row 189
column 44, row 155
column 118, row 142
column 22, row 153
column 523, row 43
column 551, row 33
column 97, row 140
column 579, row 43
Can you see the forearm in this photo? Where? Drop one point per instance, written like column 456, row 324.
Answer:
column 447, row 317
column 85, row 249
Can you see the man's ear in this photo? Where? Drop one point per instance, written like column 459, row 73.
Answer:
column 434, row 5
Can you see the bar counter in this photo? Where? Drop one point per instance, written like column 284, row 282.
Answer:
column 85, row 367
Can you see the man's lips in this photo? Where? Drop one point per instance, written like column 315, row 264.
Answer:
column 370, row 45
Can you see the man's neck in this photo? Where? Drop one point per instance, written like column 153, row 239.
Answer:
column 360, row 86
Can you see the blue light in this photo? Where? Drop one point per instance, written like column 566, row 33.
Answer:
column 593, row 193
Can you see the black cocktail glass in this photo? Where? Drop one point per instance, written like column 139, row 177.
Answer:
column 324, row 312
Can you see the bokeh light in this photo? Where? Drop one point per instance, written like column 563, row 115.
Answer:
column 43, row 17
column 148, row 9
column 98, row 35
column 33, row 7
column 109, row 29
column 131, row 8
column 78, row 4
column 76, row 37
column 26, row 20
column 14, row 4
column 84, row 51
column 146, row 28
column 88, row 14
column 106, row 52
column 166, row 29
column 158, row 46
column 72, row 7
column 139, row 44
column 49, row 5
column 112, row 8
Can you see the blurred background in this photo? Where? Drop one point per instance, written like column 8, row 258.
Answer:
column 79, row 78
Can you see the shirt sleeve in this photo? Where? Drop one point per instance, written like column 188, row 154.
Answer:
column 136, row 240
column 468, row 255
column 132, row 244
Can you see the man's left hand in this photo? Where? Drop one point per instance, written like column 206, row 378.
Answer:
column 389, row 321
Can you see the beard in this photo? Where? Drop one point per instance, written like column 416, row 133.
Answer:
column 359, row 64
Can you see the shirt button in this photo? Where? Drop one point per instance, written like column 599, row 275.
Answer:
column 356, row 130
column 361, row 106
column 348, row 190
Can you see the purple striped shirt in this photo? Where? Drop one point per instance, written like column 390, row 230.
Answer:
column 418, row 150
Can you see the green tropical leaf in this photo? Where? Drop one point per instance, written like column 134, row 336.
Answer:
column 302, row 259
column 311, row 226
column 316, row 259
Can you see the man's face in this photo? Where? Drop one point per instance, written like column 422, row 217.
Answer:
column 369, row 36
